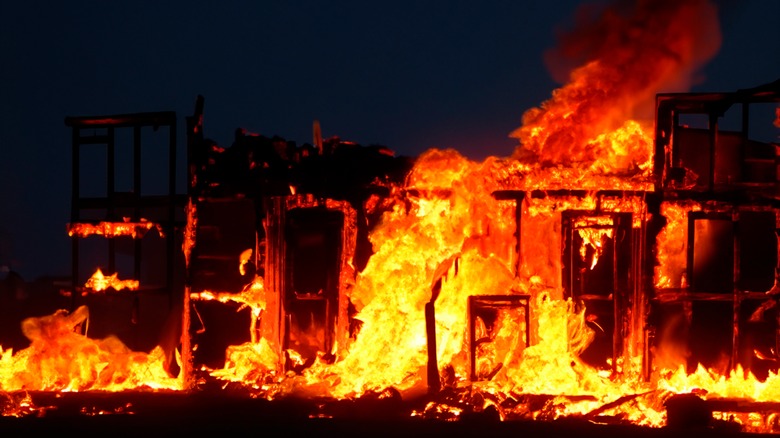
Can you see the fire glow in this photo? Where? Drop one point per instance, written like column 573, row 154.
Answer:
column 112, row 229
column 99, row 282
column 61, row 358
column 487, row 283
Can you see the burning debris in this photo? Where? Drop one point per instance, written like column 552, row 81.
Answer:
column 99, row 282
column 628, row 261
column 124, row 228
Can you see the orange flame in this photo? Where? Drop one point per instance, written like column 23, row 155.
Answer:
column 59, row 358
column 99, row 282
column 630, row 55
column 594, row 238
column 446, row 238
column 777, row 117
column 114, row 229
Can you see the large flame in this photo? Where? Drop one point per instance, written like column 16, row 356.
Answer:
column 114, row 229
column 60, row 358
column 445, row 237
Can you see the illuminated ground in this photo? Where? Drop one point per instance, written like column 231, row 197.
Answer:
column 173, row 414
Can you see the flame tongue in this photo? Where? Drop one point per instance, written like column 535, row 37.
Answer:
column 630, row 55
column 448, row 213
column 99, row 282
column 582, row 137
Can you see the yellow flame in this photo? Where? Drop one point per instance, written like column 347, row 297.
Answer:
column 593, row 238
column 99, row 282
column 59, row 358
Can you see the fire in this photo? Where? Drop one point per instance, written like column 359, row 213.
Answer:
column 444, row 240
column 99, row 282
column 253, row 297
column 737, row 384
column 580, row 187
column 452, row 238
column 594, row 239
column 629, row 55
column 672, row 245
column 255, row 364
column 114, row 229
column 61, row 358
column 17, row 404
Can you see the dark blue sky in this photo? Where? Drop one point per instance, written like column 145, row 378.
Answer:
column 406, row 74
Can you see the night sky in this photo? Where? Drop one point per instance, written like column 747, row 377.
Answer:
column 407, row 75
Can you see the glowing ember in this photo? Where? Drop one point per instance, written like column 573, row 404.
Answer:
column 114, row 229
column 99, row 282
column 17, row 404
column 628, row 56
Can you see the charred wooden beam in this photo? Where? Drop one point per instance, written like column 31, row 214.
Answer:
column 434, row 381
column 161, row 118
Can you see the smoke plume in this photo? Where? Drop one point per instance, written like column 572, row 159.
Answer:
column 614, row 61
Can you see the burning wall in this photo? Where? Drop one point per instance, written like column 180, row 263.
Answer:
column 581, row 220
column 601, row 270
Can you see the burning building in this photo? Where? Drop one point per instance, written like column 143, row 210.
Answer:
column 612, row 269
